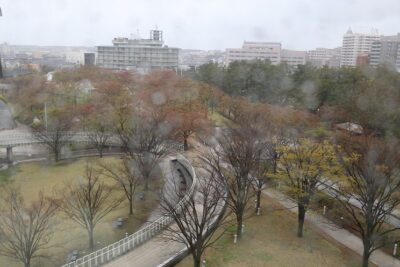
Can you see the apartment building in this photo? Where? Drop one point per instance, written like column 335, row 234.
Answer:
column 386, row 51
column 293, row 57
column 255, row 50
column 320, row 57
column 355, row 44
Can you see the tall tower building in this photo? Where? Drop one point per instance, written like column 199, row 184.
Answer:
column 355, row 44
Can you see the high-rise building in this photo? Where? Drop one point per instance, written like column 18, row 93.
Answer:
column 355, row 44
column 386, row 51
column 255, row 50
column 138, row 54
column 293, row 57
column 320, row 57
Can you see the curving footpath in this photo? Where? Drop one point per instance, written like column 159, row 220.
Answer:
column 144, row 247
column 156, row 250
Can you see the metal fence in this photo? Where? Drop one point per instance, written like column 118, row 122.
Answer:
column 129, row 243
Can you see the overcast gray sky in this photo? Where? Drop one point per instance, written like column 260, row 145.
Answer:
column 203, row 24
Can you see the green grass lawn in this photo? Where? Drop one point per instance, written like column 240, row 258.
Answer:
column 218, row 119
column 41, row 176
column 270, row 240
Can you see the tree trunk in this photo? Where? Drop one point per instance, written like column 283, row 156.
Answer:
column 27, row 263
column 146, row 183
column 196, row 260
column 56, row 155
column 258, row 199
column 131, row 206
column 239, row 220
column 301, row 216
column 101, row 151
column 185, row 144
column 366, row 254
column 91, row 240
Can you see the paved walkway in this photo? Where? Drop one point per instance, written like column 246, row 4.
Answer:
column 150, row 254
column 341, row 235
column 156, row 250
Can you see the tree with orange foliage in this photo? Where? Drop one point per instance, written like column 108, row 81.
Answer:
column 186, row 114
column 184, row 103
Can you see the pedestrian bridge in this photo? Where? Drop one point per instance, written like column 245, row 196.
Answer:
column 24, row 139
column 9, row 141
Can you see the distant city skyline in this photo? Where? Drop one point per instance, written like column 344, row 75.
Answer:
column 207, row 24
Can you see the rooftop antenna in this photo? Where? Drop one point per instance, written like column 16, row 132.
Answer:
column 349, row 31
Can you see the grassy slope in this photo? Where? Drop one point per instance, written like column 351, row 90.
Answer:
column 270, row 240
column 33, row 177
column 218, row 119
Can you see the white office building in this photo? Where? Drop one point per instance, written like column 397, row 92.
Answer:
column 320, row 57
column 255, row 50
column 293, row 57
column 355, row 44
column 142, row 55
column 386, row 51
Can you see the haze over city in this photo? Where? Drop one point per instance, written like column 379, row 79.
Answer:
column 208, row 24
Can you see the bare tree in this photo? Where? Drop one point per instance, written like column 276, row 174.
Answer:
column 261, row 175
column 98, row 124
column 99, row 137
column 234, row 158
column 197, row 220
column 146, row 141
column 124, row 176
column 56, row 134
column 88, row 201
column 370, row 190
column 25, row 230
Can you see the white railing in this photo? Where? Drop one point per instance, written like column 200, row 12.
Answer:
column 128, row 243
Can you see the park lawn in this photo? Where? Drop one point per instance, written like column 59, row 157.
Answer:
column 218, row 119
column 43, row 176
column 270, row 240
